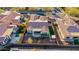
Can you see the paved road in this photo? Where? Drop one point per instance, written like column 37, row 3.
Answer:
column 46, row 47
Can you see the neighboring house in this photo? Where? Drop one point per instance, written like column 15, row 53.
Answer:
column 6, row 31
column 8, row 26
column 68, row 30
column 2, row 16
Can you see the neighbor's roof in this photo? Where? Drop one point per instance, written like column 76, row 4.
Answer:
column 67, row 27
column 1, row 39
column 73, row 29
column 17, row 17
column 6, row 21
column 1, row 16
column 7, row 32
column 3, row 27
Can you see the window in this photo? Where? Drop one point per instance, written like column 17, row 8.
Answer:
column 37, row 32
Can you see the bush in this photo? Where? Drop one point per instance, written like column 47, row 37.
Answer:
column 20, row 30
column 51, row 30
column 76, row 42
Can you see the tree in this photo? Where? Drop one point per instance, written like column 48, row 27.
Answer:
column 76, row 42
column 20, row 28
column 73, row 11
column 26, row 8
column 17, row 8
column 63, row 8
column 1, row 10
